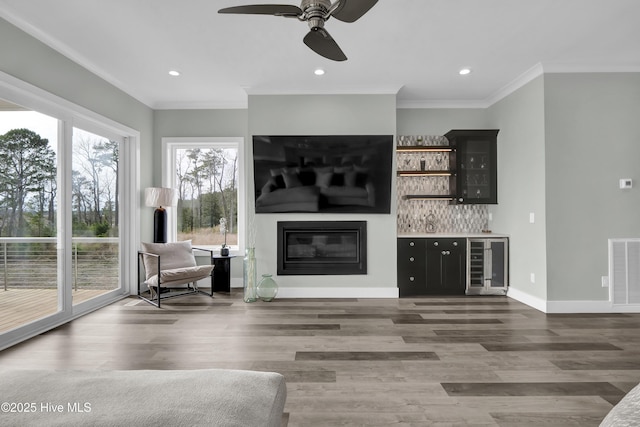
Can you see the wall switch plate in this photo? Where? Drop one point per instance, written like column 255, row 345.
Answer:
column 626, row 183
column 532, row 217
column 605, row 281
column 533, row 278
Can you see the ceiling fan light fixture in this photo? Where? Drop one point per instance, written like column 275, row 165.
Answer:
column 318, row 72
column 315, row 13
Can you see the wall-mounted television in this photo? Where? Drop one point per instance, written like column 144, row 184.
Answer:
column 329, row 173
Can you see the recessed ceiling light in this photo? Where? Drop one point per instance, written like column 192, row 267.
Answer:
column 174, row 73
column 464, row 71
column 318, row 72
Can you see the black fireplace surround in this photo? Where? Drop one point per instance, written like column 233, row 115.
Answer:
column 322, row 247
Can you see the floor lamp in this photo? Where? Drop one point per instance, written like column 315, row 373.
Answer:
column 160, row 198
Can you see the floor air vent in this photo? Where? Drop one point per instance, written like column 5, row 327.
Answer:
column 624, row 271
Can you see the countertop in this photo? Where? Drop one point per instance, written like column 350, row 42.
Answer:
column 451, row 235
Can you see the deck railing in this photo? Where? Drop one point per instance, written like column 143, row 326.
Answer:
column 32, row 262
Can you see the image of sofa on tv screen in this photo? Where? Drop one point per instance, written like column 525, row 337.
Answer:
column 349, row 174
column 307, row 189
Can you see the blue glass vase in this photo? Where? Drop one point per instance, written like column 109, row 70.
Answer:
column 267, row 288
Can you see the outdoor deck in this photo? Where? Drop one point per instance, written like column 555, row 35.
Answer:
column 28, row 264
column 21, row 306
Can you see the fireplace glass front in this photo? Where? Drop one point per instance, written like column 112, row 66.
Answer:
column 322, row 247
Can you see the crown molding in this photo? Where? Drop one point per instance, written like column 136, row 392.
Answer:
column 440, row 103
column 380, row 90
column 534, row 72
column 524, row 78
column 229, row 105
column 71, row 54
column 590, row 68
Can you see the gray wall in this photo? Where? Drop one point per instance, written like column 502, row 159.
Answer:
column 592, row 124
column 31, row 61
column 195, row 123
column 521, row 186
column 565, row 140
column 329, row 115
column 438, row 121
column 198, row 123
column 521, row 176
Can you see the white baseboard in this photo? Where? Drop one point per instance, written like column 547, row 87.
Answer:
column 557, row 307
column 590, row 307
column 286, row 292
column 525, row 298
column 330, row 292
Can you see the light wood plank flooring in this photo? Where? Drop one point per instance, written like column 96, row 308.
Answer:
column 463, row 361
column 21, row 306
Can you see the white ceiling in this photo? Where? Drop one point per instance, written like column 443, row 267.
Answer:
column 410, row 47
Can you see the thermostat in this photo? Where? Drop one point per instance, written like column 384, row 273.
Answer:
column 626, row 183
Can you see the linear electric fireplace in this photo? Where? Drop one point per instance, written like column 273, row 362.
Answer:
column 322, row 247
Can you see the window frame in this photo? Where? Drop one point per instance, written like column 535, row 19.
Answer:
column 70, row 115
column 169, row 147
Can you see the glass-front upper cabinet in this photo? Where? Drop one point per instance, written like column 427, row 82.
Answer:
column 475, row 164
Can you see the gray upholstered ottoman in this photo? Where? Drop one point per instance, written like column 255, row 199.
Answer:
column 626, row 413
column 212, row 397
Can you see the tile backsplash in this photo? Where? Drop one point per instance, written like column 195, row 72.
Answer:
column 414, row 215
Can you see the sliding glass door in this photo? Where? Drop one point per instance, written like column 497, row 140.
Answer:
column 28, row 216
column 63, row 244
column 95, row 210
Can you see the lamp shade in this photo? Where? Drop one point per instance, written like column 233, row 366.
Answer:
column 159, row 196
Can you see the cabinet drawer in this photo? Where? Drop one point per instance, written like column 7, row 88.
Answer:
column 413, row 279
column 411, row 252
column 410, row 261
column 446, row 244
column 412, row 273
column 410, row 284
column 411, row 245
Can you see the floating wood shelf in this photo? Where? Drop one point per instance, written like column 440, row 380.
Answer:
column 425, row 173
column 445, row 197
column 424, row 148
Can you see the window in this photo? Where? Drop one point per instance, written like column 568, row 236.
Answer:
column 207, row 175
column 62, row 197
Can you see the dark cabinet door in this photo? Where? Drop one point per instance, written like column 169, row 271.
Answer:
column 412, row 275
column 446, row 266
column 475, row 162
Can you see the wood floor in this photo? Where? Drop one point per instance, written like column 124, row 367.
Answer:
column 21, row 306
column 481, row 361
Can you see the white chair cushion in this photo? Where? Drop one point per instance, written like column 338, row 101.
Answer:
column 174, row 255
column 180, row 276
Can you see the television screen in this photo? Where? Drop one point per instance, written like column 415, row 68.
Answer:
column 346, row 174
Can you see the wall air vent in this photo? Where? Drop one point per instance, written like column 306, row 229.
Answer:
column 624, row 271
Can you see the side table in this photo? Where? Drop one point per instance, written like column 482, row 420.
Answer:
column 222, row 273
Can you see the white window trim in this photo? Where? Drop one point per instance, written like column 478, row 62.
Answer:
column 170, row 144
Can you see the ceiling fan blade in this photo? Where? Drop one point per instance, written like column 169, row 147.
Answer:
column 319, row 40
column 352, row 10
column 265, row 9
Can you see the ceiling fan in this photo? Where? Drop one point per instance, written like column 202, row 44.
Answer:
column 315, row 13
